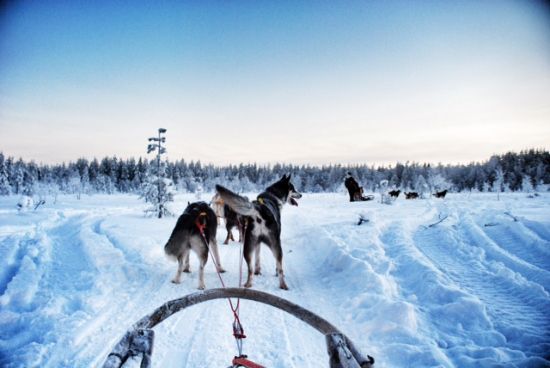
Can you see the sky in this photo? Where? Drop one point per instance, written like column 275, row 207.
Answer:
column 303, row 82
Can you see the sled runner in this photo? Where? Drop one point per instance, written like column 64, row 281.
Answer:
column 138, row 341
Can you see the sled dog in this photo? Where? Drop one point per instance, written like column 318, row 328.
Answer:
column 263, row 223
column 231, row 218
column 186, row 236
column 411, row 195
column 394, row 193
column 441, row 194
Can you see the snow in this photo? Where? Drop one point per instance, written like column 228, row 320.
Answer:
column 471, row 291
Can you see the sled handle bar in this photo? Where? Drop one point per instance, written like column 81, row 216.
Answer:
column 139, row 339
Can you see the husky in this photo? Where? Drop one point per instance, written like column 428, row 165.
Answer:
column 394, row 193
column 441, row 194
column 411, row 195
column 263, row 223
column 187, row 236
column 232, row 219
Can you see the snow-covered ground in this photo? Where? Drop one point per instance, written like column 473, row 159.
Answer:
column 471, row 291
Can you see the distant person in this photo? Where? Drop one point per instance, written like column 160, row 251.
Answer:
column 354, row 190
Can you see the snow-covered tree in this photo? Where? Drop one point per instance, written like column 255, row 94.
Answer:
column 111, row 175
column 5, row 187
column 526, row 185
column 158, row 192
column 18, row 177
column 498, row 182
column 421, row 185
column 438, row 182
column 198, row 192
column 74, row 184
column 383, row 190
column 158, row 189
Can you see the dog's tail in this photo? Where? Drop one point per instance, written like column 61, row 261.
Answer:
column 237, row 203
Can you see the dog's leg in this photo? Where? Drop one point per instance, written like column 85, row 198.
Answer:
column 226, row 241
column 201, row 250
column 177, row 277
column 257, row 267
column 278, row 255
column 203, row 257
column 250, row 243
column 214, row 247
column 186, row 267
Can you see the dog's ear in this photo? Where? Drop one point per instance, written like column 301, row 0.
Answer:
column 188, row 203
column 289, row 176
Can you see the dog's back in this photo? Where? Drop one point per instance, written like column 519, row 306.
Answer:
column 441, row 194
column 186, row 226
column 195, row 230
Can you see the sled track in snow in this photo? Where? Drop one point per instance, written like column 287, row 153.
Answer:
column 19, row 248
column 514, row 312
column 518, row 241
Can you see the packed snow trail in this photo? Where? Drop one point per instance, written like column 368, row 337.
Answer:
column 471, row 291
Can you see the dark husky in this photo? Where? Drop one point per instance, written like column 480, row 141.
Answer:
column 186, row 236
column 394, row 193
column 263, row 222
column 441, row 194
column 411, row 195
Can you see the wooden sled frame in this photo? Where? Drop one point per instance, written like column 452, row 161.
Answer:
column 139, row 339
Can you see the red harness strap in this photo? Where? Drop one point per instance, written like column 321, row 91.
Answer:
column 238, row 331
column 201, row 226
column 242, row 361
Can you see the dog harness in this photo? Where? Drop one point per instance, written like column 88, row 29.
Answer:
column 238, row 331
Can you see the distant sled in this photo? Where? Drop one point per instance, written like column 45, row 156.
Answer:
column 138, row 341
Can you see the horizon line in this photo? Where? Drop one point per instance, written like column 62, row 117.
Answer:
column 406, row 162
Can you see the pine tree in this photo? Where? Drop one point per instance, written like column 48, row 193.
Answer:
column 526, row 185
column 420, row 185
column 158, row 189
column 499, row 181
column 5, row 187
column 18, row 177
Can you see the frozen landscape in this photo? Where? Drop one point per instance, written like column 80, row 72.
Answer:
column 469, row 291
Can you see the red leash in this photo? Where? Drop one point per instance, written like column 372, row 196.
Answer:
column 238, row 330
column 242, row 361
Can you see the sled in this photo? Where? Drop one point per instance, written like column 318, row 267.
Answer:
column 138, row 341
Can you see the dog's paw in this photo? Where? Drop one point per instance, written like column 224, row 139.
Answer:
column 257, row 272
column 248, row 285
column 283, row 286
column 175, row 281
column 221, row 270
column 201, row 287
column 187, row 270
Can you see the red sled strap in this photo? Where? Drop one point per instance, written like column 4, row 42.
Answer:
column 242, row 361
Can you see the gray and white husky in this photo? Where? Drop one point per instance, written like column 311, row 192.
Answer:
column 186, row 236
column 263, row 222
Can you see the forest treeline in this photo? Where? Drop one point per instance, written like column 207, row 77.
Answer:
column 527, row 170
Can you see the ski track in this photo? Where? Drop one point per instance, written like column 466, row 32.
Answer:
column 456, row 294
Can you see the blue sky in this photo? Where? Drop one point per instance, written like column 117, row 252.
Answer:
column 275, row 81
